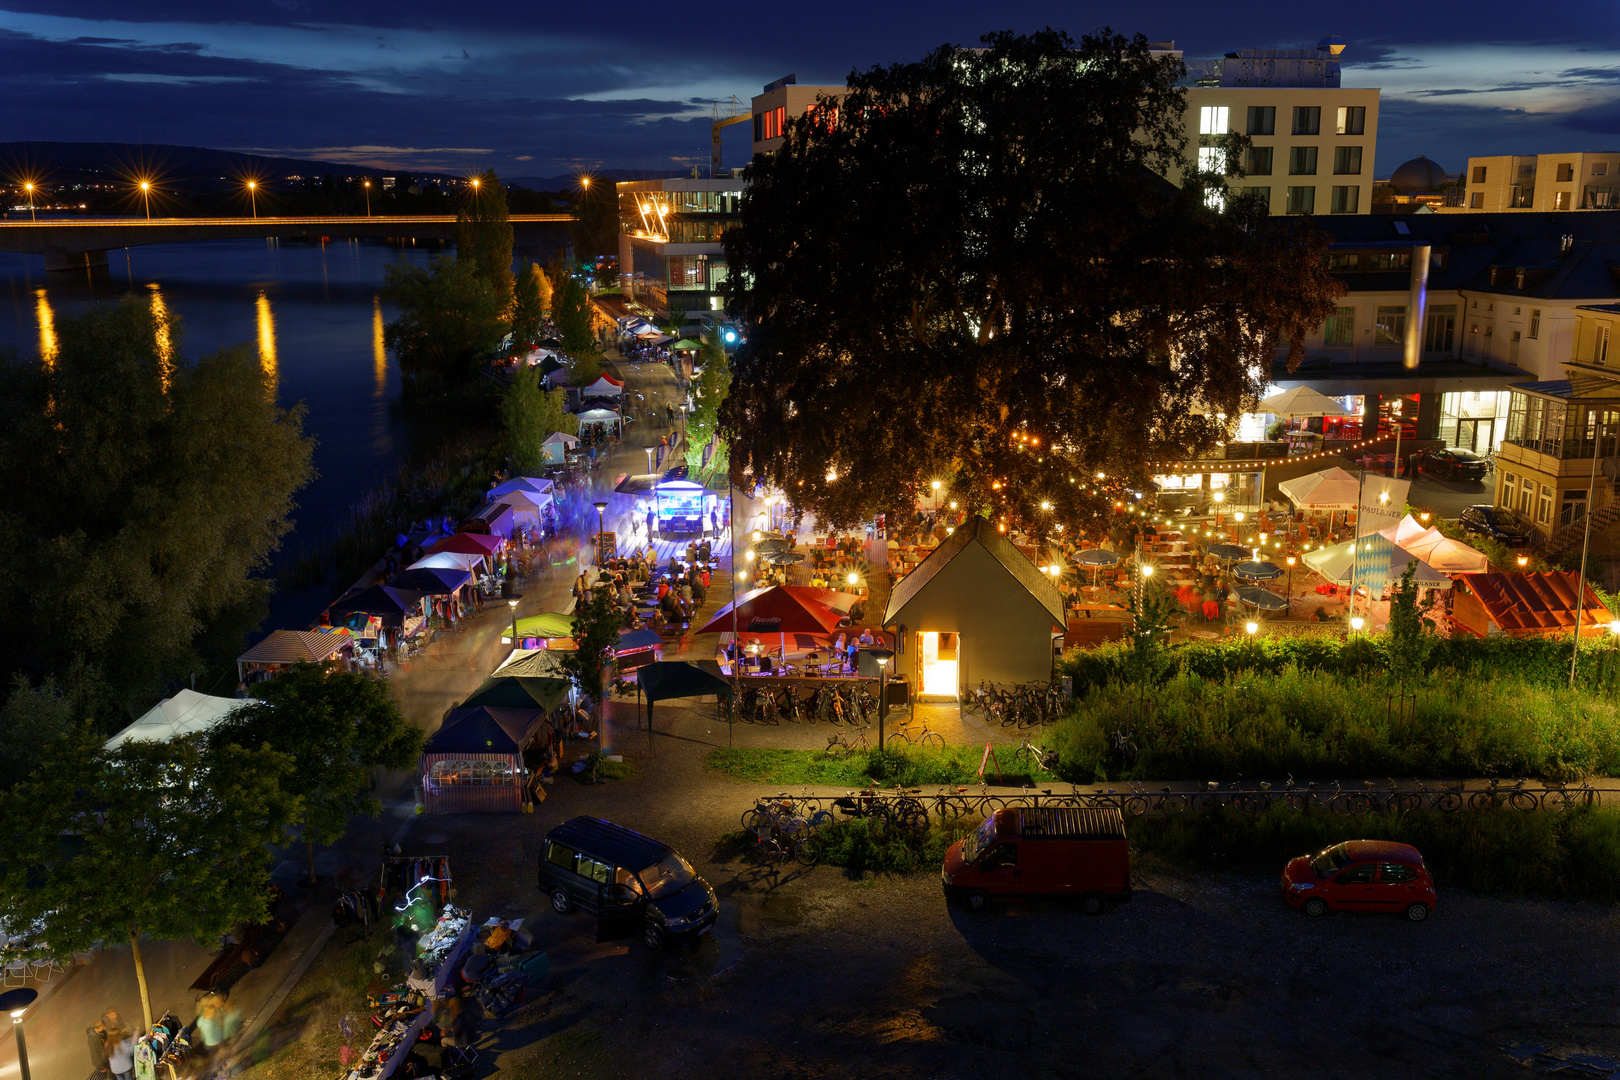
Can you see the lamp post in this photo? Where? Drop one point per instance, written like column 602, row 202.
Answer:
column 1357, row 622
column 253, row 197
column 16, row 1002
column 1220, row 497
column 146, row 197
column 1290, row 578
column 29, row 187
column 512, row 603
column 882, row 656
column 936, row 496
column 601, row 527
column 650, row 451
column 367, row 185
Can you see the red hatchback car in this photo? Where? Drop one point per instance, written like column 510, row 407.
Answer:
column 1361, row 875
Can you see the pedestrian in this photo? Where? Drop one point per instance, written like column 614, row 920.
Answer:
column 703, row 576
column 650, row 517
column 118, row 1043
column 714, row 521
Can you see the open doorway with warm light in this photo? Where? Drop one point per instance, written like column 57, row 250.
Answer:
column 937, row 655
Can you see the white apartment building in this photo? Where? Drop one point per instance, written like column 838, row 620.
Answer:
column 1589, row 181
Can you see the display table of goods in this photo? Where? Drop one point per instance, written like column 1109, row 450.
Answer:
column 401, row 1016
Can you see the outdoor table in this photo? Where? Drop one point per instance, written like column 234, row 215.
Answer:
column 1091, row 611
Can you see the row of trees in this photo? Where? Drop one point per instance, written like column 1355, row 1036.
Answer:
column 979, row 274
column 174, row 839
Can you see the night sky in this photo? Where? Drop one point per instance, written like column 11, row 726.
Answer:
column 545, row 89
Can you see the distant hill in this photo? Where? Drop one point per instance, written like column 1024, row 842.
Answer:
column 181, row 166
column 568, row 183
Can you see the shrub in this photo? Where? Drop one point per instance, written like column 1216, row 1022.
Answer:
column 913, row 767
column 1573, row 854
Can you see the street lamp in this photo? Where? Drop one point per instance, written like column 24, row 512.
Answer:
column 882, row 656
column 1356, row 621
column 1220, row 497
column 650, row 451
column 146, row 199
column 1524, row 561
column 1290, row 575
column 367, row 185
column 1252, row 627
column 936, row 495
column 29, row 187
column 16, row 1002
column 512, row 603
column 601, row 527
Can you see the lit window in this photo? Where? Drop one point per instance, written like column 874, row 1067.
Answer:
column 1212, row 120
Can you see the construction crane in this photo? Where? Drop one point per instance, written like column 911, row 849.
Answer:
column 734, row 117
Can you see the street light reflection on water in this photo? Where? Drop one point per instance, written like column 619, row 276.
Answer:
column 379, row 348
column 163, row 339
column 47, row 327
column 267, row 339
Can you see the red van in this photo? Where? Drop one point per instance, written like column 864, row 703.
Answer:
column 1042, row 851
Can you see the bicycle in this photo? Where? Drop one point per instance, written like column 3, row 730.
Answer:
column 1516, row 796
column 1035, row 756
column 926, row 737
column 1560, row 797
column 844, row 742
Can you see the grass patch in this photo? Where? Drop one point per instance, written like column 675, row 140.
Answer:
column 916, row 767
column 305, row 1038
column 863, row 846
column 1575, row 854
column 1324, row 725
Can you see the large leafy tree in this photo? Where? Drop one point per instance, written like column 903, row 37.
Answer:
column 139, row 493
column 336, row 726
column 971, row 270
column 450, row 320
column 571, row 312
column 532, row 413
column 531, row 299
column 703, row 424
column 484, row 232
column 158, row 839
column 595, row 228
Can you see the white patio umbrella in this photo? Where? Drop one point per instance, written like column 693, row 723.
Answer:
column 1301, row 401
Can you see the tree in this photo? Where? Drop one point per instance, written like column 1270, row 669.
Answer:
column 703, row 424
column 484, row 233
column 1410, row 642
column 336, row 727
column 531, row 414
column 162, row 839
column 450, row 320
column 140, row 492
column 595, row 228
column 35, row 718
column 542, row 284
column 1147, row 632
column 530, row 299
column 591, row 664
column 571, row 312
column 960, row 273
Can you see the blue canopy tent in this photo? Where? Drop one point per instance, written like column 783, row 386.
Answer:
column 677, row 679
column 474, row 762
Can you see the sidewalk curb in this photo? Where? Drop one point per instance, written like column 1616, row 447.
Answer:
column 257, row 1022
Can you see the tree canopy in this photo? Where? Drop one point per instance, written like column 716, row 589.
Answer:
column 484, row 233
column 595, row 228
column 703, row 424
column 531, row 413
column 336, row 726
column 140, row 491
column 571, row 312
column 531, row 299
column 450, row 320
column 971, row 270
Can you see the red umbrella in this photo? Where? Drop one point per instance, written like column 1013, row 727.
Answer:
column 780, row 609
column 468, row 544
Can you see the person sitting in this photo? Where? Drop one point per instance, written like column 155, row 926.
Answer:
column 663, row 589
column 866, row 637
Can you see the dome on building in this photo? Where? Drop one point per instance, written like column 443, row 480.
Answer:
column 1418, row 175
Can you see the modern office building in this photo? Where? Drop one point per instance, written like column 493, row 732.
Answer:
column 1589, row 181
column 670, row 255
column 781, row 101
column 1312, row 140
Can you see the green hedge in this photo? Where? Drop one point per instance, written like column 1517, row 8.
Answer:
column 1541, row 662
column 863, row 846
column 1320, row 725
column 914, row 767
column 1573, row 854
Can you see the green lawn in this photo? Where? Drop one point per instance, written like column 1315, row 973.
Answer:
column 916, row 767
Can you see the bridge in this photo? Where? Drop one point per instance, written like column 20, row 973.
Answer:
column 83, row 243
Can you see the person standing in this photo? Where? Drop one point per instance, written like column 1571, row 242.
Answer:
column 119, row 1044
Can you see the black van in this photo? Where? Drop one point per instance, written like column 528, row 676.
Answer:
column 633, row 883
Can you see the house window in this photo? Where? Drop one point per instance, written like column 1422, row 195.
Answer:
column 1302, row 161
column 1527, row 495
column 1352, row 120
column 1566, row 172
column 1544, row 506
column 1260, row 194
column 1476, row 200
column 1561, row 200
column 1346, row 199
column 1301, row 200
column 1389, row 328
column 1600, row 354
column 1347, row 160
column 1212, row 120
column 759, row 127
column 1600, row 168
column 1257, row 161
column 1440, row 335
column 1262, row 120
column 1535, row 323
column 1340, row 329
column 1307, row 119
column 1521, row 197
column 1506, row 495
column 1211, row 159
column 1479, row 175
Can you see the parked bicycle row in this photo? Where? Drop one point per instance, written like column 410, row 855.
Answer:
column 1031, row 704
column 833, row 704
column 801, row 815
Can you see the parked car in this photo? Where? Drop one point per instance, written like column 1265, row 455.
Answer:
column 633, row 884
column 1499, row 523
column 1042, row 851
column 1452, row 463
column 1361, row 875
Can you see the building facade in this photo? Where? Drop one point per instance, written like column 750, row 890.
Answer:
column 1589, row 181
column 670, row 254
column 781, row 101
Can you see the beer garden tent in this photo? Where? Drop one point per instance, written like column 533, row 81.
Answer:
column 1300, row 401
column 474, row 762
column 185, row 713
column 598, row 416
column 1526, row 605
column 493, row 519
column 1330, row 489
column 471, row 543
column 547, row 626
column 1436, row 548
column 449, row 560
column 665, row 679
column 284, row 648
column 518, row 692
column 387, row 603
column 1338, row 562
column 528, row 509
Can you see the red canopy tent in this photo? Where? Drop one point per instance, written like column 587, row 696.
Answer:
column 779, row 609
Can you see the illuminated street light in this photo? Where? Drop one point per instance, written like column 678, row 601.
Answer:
column 853, row 577
column 1252, row 627
column 1357, row 622
column 29, row 187
column 253, row 197
column 16, row 1002
column 146, row 199
column 1524, row 561
column 367, row 185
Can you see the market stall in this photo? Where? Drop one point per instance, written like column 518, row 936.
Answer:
column 185, row 713
column 606, row 386
column 474, row 762
column 606, row 418
column 492, row 519
column 284, row 648
column 554, row 450
column 682, row 505
column 1527, row 605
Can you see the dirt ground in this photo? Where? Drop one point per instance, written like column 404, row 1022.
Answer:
column 815, row 975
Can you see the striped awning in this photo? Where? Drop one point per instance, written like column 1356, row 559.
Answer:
column 294, row 646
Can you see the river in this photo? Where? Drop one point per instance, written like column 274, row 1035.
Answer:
column 310, row 310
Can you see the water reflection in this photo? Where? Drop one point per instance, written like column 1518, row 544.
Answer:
column 267, row 340
column 161, row 333
column 47, row 327
column 379, row 349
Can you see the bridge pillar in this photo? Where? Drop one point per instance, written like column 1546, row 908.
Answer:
column 75, row 260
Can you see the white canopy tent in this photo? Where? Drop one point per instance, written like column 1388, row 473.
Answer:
column 604, row 386
column 598, row 416
column 183, row 714
column 450, row 560
column 1300, row 401
column 1436, row 549
column 528, row 507
column 555, row 449
column 1337, row 564
column 1330, row 489
column 535, row 484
